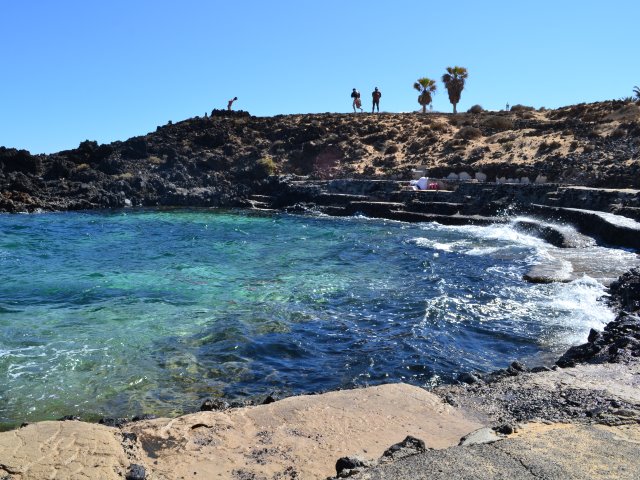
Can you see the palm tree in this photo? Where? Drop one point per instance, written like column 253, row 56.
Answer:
column 426, row 87
column 454, row 81
column 636, row 90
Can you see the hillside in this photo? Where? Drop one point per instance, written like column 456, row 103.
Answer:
column 219, row 159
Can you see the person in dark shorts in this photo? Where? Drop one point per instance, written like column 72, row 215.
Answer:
column 375, row 95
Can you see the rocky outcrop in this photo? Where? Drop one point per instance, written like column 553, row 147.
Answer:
column 233, row 153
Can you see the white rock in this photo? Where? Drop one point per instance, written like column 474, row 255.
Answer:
column 481, row 177
column 541, row 179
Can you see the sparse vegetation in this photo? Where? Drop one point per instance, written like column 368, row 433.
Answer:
column 454, row 81
column 265, row 167
column 469, row 133
column 498, row 123
column 476, row 109
column 522, row 108
column 546, row 147
column 636, row 92
column 426, row 87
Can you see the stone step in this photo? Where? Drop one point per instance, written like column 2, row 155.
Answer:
column 421, row 195
column 339, row 198
column 372, row 209
column 606, row 227
column 441, row 208
column 405, row 216
column 255, row 204
column 557, row 235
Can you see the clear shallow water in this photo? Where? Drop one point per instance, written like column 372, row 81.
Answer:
column 114, row 314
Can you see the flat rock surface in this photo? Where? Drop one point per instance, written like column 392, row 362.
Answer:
column 62, row 450
column 298, row 437
column 301, row 436
column 560, row 451
column 581, row 422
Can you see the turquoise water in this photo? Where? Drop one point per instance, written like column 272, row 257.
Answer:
column 121, row 313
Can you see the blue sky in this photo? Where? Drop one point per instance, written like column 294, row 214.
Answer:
column 74, row 70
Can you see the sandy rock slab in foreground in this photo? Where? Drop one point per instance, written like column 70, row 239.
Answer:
column 295, row 438
column 62, row 450
column 298, row 437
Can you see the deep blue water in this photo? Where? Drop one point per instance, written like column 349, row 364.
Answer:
column 114, row 314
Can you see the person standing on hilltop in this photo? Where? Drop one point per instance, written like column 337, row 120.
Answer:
column 375, row 95
column 231, row 103
column 357, row 103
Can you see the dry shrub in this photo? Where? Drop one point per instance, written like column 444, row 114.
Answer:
column 391, row 149
column 522, row 108
column 469, row 133
column 439, row 127
column 476, row 109
column 498, row 123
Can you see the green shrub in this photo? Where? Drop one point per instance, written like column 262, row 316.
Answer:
column 265, row 167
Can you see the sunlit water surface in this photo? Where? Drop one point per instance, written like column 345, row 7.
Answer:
column 114, row 314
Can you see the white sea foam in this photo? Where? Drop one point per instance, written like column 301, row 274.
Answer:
column 580, row 299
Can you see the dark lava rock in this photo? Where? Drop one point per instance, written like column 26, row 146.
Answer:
column 145, row 416
column 468, row 378
column 69, row 418
column 136, row 472
column 213, row 404
column 130, row 436
column 409, row 446
column 506, row 429
column 625, row 292
column 269, row 399
column 594, row 335
column 12, row 160
column 346, row 465
column 578, row 354
column 113, row 422
column 516, row 368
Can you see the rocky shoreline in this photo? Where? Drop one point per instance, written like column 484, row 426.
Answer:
column 345, row 165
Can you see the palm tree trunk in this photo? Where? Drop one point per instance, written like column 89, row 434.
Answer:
column 454, row 108
column 424, row 109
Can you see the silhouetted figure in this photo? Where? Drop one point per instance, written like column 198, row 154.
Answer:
column 231, row 103
column 507, row 109
column 375, row 95
column 357, row 103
